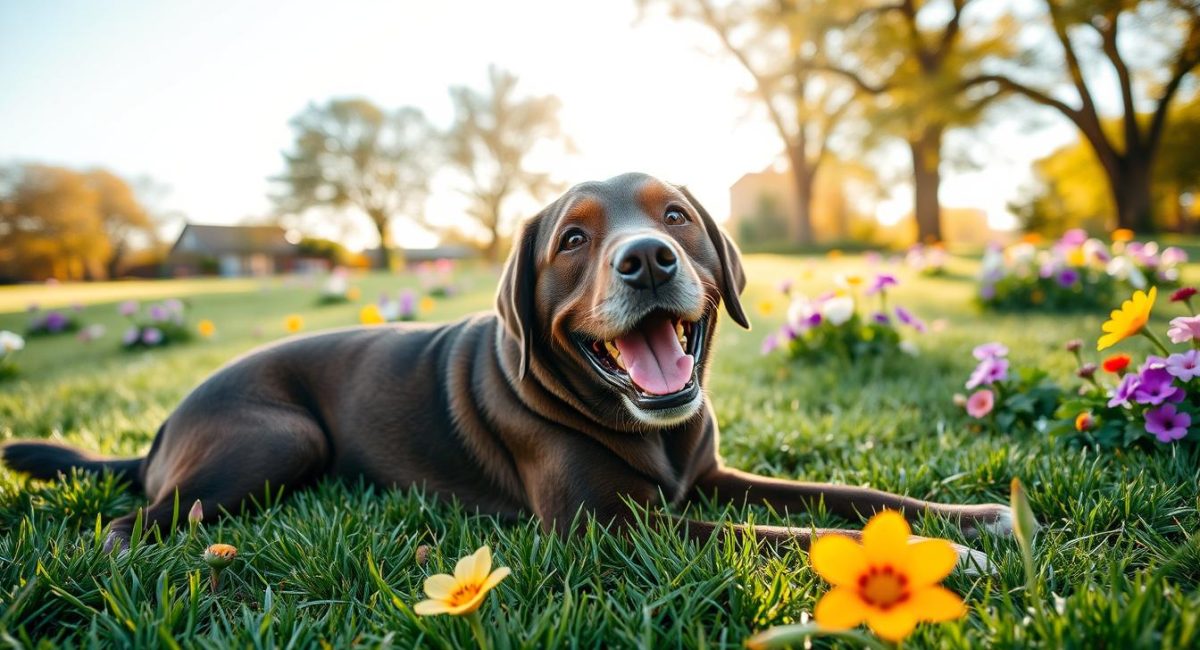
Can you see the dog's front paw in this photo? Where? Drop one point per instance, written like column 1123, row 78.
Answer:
column 973, row 563
column 994, row 518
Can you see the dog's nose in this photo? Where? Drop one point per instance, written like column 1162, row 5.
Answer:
column 646, row 263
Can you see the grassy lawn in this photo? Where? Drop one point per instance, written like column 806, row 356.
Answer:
column 337, row 566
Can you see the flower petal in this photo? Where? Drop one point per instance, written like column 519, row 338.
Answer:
column 885, row 538
column 929, row 561
column 838, row 559
column 464, row 571
column 483, row 564
column 894, row 624
column 430, row 607
column 439, row 586
column 840, row 609
column 936, row 604
column 468, row 606
column 495, row 578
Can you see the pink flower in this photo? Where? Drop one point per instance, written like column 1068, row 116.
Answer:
column 1184, row 329
column 980, row 403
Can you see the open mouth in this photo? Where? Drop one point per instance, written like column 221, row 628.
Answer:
column 654, row 363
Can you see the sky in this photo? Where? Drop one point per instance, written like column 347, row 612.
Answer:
column 197, row 95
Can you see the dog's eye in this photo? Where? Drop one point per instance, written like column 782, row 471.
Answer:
column 675, row 217
column 572, row 239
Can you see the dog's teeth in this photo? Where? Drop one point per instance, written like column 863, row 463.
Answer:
column 612, row 350
column 680, row 333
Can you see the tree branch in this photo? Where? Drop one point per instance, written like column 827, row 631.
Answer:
column 1108, row 40
column 1188, row 59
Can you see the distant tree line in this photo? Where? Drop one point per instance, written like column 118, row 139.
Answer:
column 870, row 72
column 350, row 153
column 69, row 224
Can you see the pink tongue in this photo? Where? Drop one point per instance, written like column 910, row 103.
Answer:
column 653, row 357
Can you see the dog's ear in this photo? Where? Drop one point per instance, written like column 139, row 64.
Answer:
column 733, row 278
column 515, row 297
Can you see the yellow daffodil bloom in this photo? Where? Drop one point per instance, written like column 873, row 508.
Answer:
column 206, row 328
column 766, row 307
column 463, row 592
column 370, row 315
column 887, row 581
column 293, row 323
column 426, row 305
column 1128, row 320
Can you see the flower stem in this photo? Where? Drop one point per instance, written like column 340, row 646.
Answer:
column 477, row 629
column 1157, row 343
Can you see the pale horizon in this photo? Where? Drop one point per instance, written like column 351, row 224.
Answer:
column 199, row 98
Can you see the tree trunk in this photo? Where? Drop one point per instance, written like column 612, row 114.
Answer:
column 1131, row 187
column 113, row 267
column 386, row 258
column 927, row 178
column 802, row 176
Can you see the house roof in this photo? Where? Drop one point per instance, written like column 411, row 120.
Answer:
column 214, row 240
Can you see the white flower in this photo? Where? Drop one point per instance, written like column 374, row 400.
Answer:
column 799, row 313
column 336, row 285
column 11, row 341
column 837, row 310
column 1123, row 268
column 909, row 348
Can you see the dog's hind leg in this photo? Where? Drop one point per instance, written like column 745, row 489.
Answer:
column 225, row 461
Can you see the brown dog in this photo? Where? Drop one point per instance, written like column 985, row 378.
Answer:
column 585, row 390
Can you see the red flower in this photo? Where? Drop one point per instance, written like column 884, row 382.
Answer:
column 1117, row 363
column 1183, row 294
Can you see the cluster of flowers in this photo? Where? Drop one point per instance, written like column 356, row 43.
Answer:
column 337, row 289
column 404, row 307
column 1120, row 406
column 52, row 321
column 1076, row 272
column 437, row 278
column 927, row 260
column 10, row 344
column 161, row 324
column 831, row 324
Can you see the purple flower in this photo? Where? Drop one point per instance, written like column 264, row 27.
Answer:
column 152, row 336
column 131, row 336
column 1074, row 237
column 788, row 332
column 128, row 308
column 158, row 313
column 1167, row 423
column 909, row 319
column 882, row 282
column 1156, row 386
column 1124, row 393
column 770, row 343
column 989, row 350
column 408, row 303
column 988, row 372
column 1184, row 366
column 881, row 318
column 987, row 291
column 1067, row 278
column 55, row 321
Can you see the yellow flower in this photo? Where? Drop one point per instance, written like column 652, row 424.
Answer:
column 765, row 307
column 370, row 315
column 1122, row 235
column 463, row 592
column 293, row 323
column 1077, row 257
column 1128, row 320
column 834, row 254
column 426, row 305
column 206, row 328
column 887, row 581
column 353, row 294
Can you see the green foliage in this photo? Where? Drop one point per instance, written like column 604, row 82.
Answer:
column 1094, row 290
column 852, row 341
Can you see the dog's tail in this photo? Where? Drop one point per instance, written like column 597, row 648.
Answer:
column 46, row 460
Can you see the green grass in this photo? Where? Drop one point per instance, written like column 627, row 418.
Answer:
column 336, row 566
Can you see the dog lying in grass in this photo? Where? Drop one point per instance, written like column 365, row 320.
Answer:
column 586, row 388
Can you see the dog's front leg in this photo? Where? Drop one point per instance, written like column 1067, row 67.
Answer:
column 728, row 485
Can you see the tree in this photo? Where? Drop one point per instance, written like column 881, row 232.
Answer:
column 772, row 40
column 492, row 134
column 50, row 224
column 912, row 58
column 122, row 216
column 351, row 154
column 1169, row 27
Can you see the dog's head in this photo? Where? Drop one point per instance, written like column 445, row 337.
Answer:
column 620, row 280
